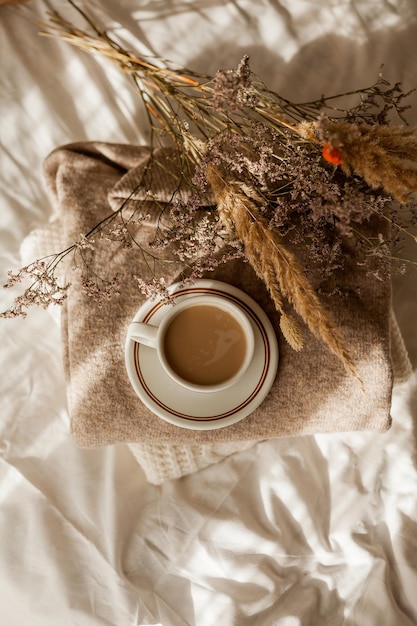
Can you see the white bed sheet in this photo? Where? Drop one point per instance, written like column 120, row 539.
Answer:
column 304, row 531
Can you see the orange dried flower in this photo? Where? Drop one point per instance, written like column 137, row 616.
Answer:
column 332, row 154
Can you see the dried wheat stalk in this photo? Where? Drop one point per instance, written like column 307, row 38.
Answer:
column 276, row 266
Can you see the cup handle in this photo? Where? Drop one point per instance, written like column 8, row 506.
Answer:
column 143, row 333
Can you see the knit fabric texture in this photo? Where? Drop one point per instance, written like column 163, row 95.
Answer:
column 311, row 394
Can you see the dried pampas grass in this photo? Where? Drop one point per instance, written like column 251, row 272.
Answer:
column 384, row 156
column 283, row 276
column 292, row 331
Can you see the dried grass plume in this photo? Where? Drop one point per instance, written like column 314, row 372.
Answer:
column 283, row 276
column 384, row 156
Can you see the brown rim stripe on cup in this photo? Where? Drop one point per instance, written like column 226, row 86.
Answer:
column 252, row 315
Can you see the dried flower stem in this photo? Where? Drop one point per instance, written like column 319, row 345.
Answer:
column 193, row 93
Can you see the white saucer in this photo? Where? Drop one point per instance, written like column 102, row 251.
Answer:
column 196, row 410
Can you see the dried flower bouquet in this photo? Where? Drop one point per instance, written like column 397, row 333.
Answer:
column 270, row 175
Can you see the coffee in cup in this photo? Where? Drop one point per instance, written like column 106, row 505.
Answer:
column 204, row 343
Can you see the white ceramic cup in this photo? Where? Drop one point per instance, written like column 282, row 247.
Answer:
column 237, row 340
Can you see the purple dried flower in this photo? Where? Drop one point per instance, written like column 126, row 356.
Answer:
column 101, row 293
column 233, row 88
column 43, row 291
column 156, row 288
column 84, row 243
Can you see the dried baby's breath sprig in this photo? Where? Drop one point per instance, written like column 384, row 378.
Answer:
column 44, row 288
column 275, row 265
column 155, row 288
column 101, row 293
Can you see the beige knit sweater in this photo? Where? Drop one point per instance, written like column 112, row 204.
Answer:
column 311, row 393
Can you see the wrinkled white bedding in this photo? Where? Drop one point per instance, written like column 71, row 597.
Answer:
column 306, row 531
